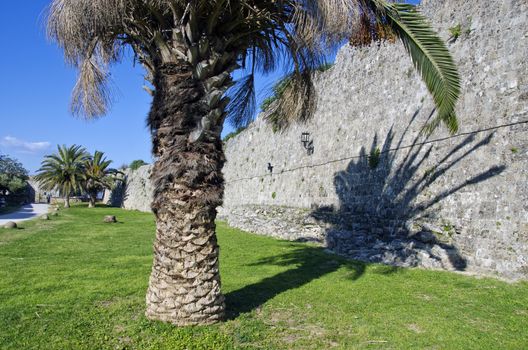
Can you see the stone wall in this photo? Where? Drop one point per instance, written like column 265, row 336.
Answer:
column 36, row 194
column 458, row 203
column 467, row 194
column 135, row 192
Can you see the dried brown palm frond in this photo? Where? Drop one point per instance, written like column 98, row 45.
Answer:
column 384, row 32
column 93, row 35
column 363, row 33
column 322, row 23
column 370, row 29
column 91, row 95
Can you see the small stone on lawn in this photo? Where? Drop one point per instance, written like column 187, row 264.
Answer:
column 10, row 224
column 110, row 219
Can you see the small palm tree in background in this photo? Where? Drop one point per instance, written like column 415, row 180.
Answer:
column 97, row 176
column 63, row 171
column 189, row 50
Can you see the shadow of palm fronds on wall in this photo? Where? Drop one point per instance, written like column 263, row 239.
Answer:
column 390, row 201
column 119, row 194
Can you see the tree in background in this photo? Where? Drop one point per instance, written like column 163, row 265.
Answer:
column 63, row 171
column 13, row 178
column 97, row 176
column 136, row 164
column 189, row 50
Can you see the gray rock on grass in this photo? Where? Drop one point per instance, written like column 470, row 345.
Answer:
column 11, row 225
column 110, row 219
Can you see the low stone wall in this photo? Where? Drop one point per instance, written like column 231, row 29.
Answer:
column 405, row 244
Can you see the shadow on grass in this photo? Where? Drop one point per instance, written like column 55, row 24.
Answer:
column 384, row 193
column 306, row 264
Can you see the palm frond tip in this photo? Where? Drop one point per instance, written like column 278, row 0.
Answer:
column 430, row 57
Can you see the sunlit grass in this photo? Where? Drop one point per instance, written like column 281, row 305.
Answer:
column 77, row 283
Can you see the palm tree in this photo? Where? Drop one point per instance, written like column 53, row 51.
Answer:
column 63, row 171
column 189, row 50
column 97, row 176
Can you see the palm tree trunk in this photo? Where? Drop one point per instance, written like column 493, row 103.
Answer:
column 184, row 287
column 67, row 201
column 93, row 199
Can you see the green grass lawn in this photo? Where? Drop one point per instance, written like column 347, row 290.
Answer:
column 77, row 283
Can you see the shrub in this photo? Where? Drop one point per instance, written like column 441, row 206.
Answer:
column 456, row 31
column 136, row 164
column 13, row 179
column 374, row 158
column 324, row 67
column 234, row 133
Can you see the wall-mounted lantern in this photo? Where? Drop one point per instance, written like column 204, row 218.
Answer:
column 307, row 143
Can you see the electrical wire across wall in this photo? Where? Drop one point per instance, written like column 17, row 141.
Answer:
column 382, row 152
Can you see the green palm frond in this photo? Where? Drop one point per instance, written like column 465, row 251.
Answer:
column 63, row 169
column 430, row 57
column 243, row 103
column 97, row 174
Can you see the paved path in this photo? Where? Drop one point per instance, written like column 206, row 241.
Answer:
column 27, row 212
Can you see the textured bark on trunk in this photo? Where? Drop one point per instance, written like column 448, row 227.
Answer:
column 184, row 287
column 67, row 202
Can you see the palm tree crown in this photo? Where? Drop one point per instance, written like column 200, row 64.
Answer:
column 215, row 37
column 63, row 170
column 97, row 175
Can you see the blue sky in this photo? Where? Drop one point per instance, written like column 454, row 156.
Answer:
column 35, row 95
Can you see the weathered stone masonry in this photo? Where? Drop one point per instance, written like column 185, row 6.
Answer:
column 443, row 202
column 136, row 192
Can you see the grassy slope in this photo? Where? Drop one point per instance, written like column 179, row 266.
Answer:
column 76, row 283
